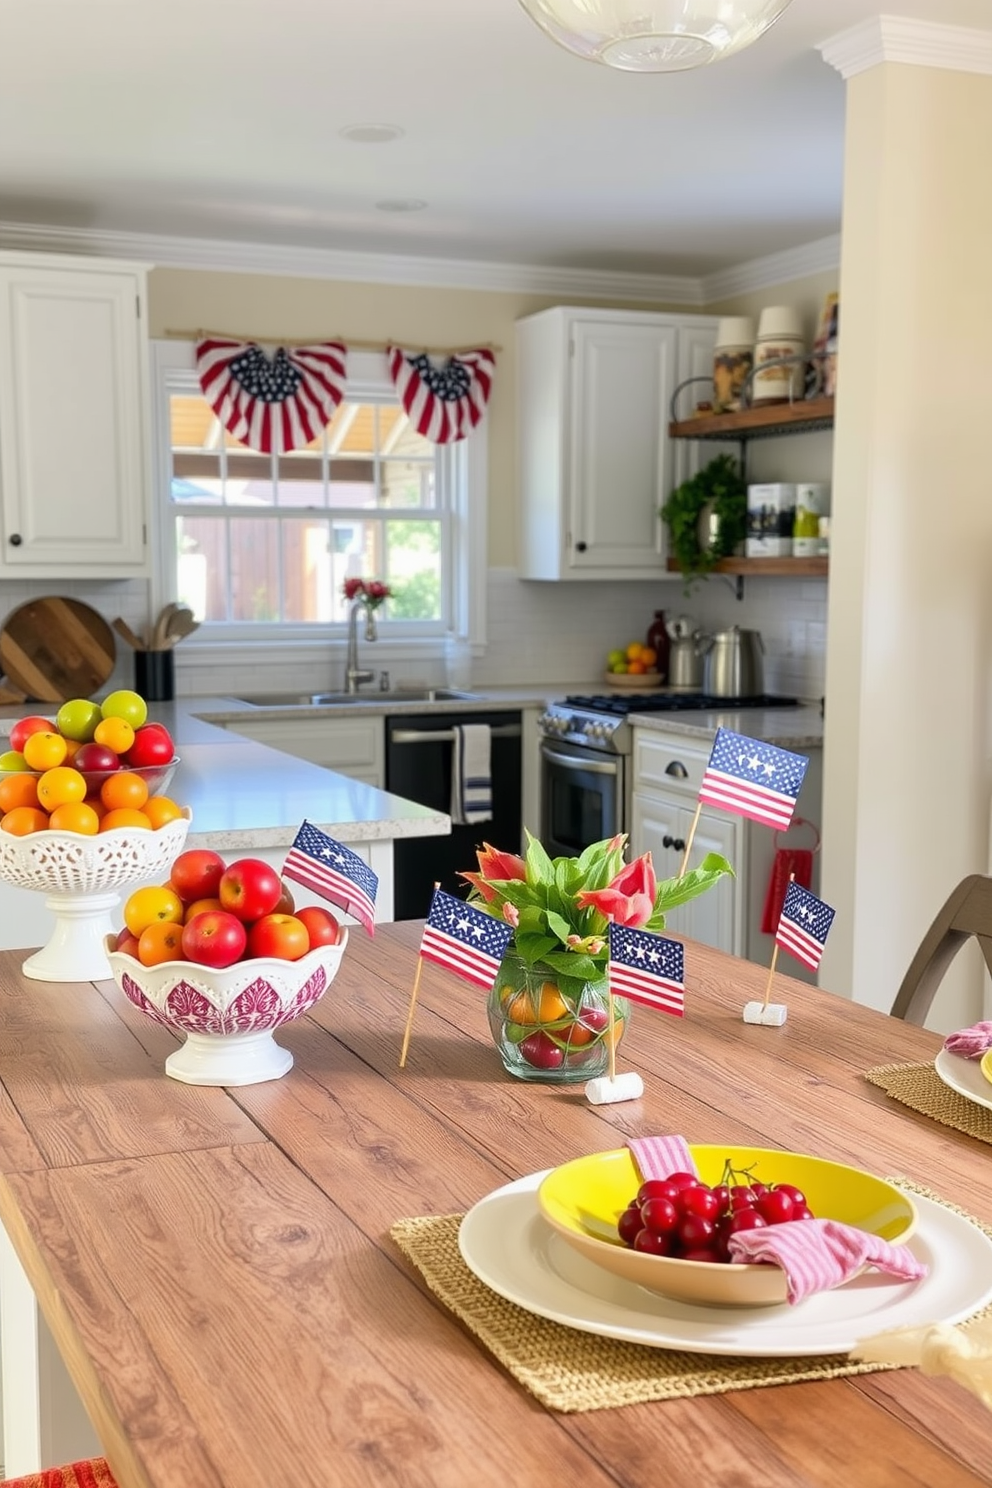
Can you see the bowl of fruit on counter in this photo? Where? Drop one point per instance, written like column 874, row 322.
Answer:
column 671, row 1235
column 84, row 812
column 633, row 667
column 219, row 954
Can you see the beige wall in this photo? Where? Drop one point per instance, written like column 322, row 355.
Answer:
column 277, row 308
column 909, row 654
column 805, row 295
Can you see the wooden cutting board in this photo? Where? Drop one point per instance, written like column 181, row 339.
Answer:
column 56, row 649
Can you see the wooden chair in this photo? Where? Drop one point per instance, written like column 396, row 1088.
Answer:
column 967, row 912
column 93, row 1473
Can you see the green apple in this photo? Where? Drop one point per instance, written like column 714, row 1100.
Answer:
column 616, row 660
column 125, row 704
column 78, row 719
column 13, row 760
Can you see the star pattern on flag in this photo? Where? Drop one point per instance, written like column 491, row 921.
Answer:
column 753, row 778
column 333, row 871
column 804, row 925
column 464, row 939
column 647, row 968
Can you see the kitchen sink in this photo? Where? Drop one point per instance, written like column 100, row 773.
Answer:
column 338, row 699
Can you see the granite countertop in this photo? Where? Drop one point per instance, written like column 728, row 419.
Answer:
column 789, row 728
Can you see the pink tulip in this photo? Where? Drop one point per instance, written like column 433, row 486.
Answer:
column 511, row 914
column 629, row 898
column 494, row 864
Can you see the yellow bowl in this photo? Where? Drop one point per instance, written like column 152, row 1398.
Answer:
column 986, row 1066
column 583, row 1201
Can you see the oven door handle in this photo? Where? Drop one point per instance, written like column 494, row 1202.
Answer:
column 572, row 762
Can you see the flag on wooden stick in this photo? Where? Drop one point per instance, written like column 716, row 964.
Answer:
column 753, row 779
column 464, row 939
column 647, row 968
column 334, row 872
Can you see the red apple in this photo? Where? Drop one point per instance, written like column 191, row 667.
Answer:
column 127, row 943
column 152, row 746
column 94, row 761
column 249, row 888
column 25, row 727
column 214, row 938
column 287, row 904
column 196, row 873
column 322, row 927
column 279, row 935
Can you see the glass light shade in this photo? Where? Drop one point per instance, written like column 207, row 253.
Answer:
column 654, row 35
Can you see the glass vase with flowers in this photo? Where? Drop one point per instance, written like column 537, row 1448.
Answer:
column 549, row 1008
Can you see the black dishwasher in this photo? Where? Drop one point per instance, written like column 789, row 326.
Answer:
column 418, row 766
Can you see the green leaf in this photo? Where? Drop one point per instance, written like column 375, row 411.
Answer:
column 540, row 869
column 675, row 891
column 534, row 947
column 576, row 966
column 558, row 925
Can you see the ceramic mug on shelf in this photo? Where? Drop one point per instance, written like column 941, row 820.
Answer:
column 780, row 334
column 733, row 358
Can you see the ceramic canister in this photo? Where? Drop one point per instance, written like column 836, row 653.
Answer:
column 733, row 358
column 780, row 334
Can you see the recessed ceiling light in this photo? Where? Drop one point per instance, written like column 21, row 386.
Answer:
column 371, row 134
column 402, row 204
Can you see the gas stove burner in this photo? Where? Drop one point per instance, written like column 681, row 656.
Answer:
column 672, row 702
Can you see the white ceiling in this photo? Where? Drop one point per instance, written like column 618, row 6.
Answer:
column 220, row 119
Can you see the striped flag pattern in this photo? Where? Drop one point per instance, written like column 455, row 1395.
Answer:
column 334, row 872
column 464, row 939
column 444, row 403
column 753, row 779
column 647, row 968
column 272, row 404
column 804, row 925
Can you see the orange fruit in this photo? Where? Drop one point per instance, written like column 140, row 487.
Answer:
column 75, row 816
column 18, row 790
column 634, row 651
column 124, row 816
column 151, row 905
column 636, row 668
column 114, row 733
column 23, row 820
column 59, row 786
column 200, row 906
column 98, row 806
column 649, row 656
column 548, row 1007
column 124, row 789
column 160, row 810
column 43, row 751
column 160, row 941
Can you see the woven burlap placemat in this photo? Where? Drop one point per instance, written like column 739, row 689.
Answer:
column 568, row 1370
column 920, row 1087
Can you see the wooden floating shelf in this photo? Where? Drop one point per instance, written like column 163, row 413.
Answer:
column 762, row 422
column 796, row 568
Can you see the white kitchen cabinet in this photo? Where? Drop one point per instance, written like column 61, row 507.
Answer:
column 352, row 746
column 74, row 478
column 595, row 461
column 667, row 773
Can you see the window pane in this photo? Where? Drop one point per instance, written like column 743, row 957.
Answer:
column 407, row 483
column 307, row 570
column 201, row 566
column 401, row 438
column 254, row 570
column 413, row 570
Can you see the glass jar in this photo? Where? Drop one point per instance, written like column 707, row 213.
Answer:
column 550, row 1027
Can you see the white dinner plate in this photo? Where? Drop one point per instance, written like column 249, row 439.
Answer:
column 965, row 1076
column 511, row 1249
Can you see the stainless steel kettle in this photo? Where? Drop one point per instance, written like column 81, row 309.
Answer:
column 685, row 661
column 734, row 664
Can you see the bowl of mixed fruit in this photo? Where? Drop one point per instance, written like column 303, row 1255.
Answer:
column 671, row 1235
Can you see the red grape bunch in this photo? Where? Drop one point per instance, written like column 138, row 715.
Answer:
column 688, row 1220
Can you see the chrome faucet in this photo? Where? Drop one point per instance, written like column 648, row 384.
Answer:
column 354, row 675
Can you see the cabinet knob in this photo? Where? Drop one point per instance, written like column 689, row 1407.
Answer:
column 580, row 547
column 679, row 844
column 15, row 539
column 677, row 769
column 667, row 841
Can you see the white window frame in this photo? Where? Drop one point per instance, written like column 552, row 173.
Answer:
column 466, row 481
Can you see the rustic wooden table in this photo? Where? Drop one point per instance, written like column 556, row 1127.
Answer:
column 216, row 1269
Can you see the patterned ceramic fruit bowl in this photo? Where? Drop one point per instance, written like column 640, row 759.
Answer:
column 81, row 876
column 227, row 1015
column 584, row 1199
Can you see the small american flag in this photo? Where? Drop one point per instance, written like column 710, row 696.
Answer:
column 804, row 925
column 334, row 872
column 647, row 968
column 464, row 939
column 753, row 779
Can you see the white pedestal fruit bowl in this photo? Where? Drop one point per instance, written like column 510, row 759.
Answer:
column 81, row 877
column 227, row 1015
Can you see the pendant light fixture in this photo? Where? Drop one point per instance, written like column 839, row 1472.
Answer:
column 654, row 35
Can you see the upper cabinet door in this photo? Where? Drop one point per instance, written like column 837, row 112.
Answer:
column 622, row 379
column 73, row 419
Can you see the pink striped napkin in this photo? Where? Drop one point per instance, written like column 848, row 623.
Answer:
column 970, row 1043
column 815, row 1254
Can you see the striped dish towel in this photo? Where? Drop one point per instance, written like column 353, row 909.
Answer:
column 657, row 1157
column 817, row 1254
column 471, row 774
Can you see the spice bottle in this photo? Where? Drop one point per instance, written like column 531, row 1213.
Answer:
column 657, row 639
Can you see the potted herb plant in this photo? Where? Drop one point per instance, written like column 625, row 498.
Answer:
column 706, row 517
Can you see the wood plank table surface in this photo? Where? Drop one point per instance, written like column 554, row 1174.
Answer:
column 216, row 1268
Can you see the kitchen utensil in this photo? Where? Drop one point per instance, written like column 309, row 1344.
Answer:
column 506, row 1243
column 584, row 1198
column 734, row 666
column 681, row 627
column 127, row 634
column 181, row 623
column 160, row 629
column 685, row 661
column 56, row 649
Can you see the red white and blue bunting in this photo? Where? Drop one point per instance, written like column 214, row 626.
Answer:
column 276, row 403
column 444, row 403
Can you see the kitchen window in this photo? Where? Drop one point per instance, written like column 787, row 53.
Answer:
column 259, row 545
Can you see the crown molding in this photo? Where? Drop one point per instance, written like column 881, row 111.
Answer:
column 232, row 257
column 774, row 268
column 889, row 38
